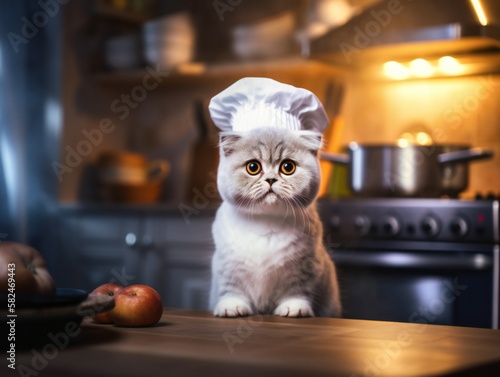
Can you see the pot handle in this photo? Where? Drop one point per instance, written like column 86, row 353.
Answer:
column 338, row 158
column 465, row 155
column 158, row 170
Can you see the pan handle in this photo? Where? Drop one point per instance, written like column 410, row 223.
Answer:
column 338, row 158
column 465, row 155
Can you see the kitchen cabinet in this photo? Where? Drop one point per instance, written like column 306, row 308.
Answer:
column 93, row 248
column 142, row 247
column 179, row 259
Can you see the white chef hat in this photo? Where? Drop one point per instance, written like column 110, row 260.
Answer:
column 255, row 102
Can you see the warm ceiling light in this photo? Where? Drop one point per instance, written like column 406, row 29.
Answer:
column 396, row 71
column 449, row 65
column 403, row 143
column 421, row 68
column 423, row 138
column 478, row 8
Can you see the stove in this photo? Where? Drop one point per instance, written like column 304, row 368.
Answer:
column 408, row 259
column 436, row 220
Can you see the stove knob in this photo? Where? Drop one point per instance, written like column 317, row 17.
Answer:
column 490, row 196
column 430, row 226
column 459, row 226
column 390, row 225
column 335, row 222
column 362, row 224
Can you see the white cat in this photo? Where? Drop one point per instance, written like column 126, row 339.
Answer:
column 269, row 255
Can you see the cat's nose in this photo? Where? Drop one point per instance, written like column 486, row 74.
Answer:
column 271, row 181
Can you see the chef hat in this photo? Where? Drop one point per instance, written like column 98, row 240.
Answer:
column 255, row 102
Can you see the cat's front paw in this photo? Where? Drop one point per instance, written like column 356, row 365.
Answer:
column 294, row 307
column 232, row 307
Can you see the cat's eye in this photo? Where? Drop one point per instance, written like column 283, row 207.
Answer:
column 253, row 167
column 288, row 167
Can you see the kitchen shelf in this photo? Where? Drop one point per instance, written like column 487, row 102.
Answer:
column 125, row 15
column 201, row 72
column 160, row 208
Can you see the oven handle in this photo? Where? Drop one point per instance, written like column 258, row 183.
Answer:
column 475, row 262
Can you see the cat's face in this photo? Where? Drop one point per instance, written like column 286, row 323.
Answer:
column 269, row 170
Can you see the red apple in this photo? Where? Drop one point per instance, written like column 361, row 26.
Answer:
column 26, row 269
column 136, row 306
column 108, row 289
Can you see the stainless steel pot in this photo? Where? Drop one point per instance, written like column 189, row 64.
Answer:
column 413, row 171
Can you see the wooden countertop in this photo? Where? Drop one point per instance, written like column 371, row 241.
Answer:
column 194, row 343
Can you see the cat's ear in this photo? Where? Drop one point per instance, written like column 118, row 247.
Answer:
column 227, row 142
column 311, row 140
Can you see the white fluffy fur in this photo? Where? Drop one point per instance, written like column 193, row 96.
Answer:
column 269, row 255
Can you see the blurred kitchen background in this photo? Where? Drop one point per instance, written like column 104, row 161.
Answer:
column 108, row 154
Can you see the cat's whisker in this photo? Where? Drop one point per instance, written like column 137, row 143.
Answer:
column 305, row 216
column 294, row 203
column 289, row 205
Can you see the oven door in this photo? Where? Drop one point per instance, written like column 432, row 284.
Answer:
column 422, row 287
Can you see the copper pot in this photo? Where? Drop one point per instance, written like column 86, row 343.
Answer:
column 130, row 178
